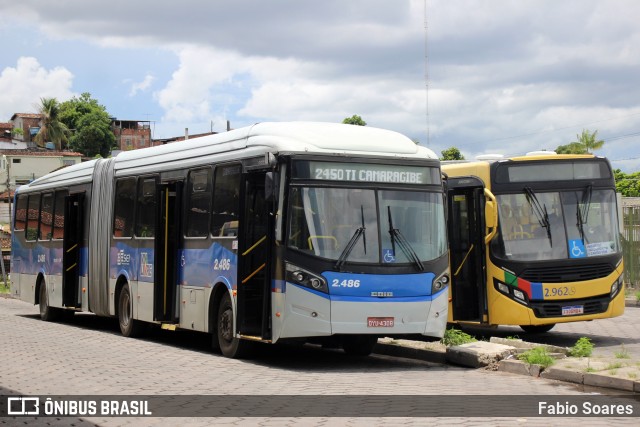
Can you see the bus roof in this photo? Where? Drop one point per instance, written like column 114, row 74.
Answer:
column 285, row 137
column 274, row 137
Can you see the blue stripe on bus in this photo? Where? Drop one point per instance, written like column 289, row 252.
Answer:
column 391, row 285
column 536, row 290
column 346, row 298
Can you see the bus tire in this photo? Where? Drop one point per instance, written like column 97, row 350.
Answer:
column 359, row 345
column 47, row 313
column 230, row 346
column 129, row 326
column 537, row 329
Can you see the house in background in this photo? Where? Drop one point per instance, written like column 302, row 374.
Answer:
column 30, row 124
column 18, row 167
column 131, row 134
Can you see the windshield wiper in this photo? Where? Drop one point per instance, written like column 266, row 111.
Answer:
column 582, row 211
column 403, row 243
column 540, row 211
column 360, row 231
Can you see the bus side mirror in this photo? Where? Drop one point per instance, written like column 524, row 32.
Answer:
column 268, row 187
column 489, row 214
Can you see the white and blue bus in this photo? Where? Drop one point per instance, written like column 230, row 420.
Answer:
column 266, row 233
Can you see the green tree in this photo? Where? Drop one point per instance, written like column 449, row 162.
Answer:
column 354, row 120
column 573, row 148
column 452, row 153
column 91, row 124
column 586, row 142
column 627, row 184
column 53, row 128
column 589, row 140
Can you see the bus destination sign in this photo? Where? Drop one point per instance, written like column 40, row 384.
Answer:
column 362, row 172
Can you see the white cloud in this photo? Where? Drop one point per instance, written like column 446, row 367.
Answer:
column 141, row 86
column 23, row 86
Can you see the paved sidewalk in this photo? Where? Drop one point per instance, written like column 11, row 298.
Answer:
column 614, row 363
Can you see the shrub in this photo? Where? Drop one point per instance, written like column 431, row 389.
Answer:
column 582, row 348
column 454, row 337
column 537, row 356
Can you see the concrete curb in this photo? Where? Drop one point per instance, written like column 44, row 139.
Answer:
column 411, row 353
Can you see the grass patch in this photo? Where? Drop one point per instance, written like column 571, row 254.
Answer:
column 582, row 348
column 623, row 353
column 537, row 356
column 4, row 288
column 614, row 365
column 638, row 296
column 632, row 375
column 453, row 337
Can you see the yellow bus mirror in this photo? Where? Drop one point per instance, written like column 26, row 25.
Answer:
column 489, row 214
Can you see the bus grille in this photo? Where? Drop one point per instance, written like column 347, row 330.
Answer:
column 593, row 305
column 567, row 274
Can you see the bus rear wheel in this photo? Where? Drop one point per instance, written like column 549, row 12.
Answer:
column 230, row 345
column 537, row 329
column 359, row 345
column 47, row 313
column 129, row 326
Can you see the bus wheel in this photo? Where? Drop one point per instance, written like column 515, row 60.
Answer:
column 359, row 345
column 47, row 313
column 537, row 329
column 230, row 346
column 128, row 325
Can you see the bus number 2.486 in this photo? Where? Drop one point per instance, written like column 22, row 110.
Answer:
column 222, row 264
column 337, row 283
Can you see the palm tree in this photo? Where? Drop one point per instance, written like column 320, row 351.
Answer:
column 52, row 128
column 589, row 141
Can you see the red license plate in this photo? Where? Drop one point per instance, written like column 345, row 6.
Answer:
column 380, row 322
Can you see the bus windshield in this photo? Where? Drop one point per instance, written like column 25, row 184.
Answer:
column 557, row 225
column 367, row 225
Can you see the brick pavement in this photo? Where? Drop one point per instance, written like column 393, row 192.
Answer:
column 88, row 356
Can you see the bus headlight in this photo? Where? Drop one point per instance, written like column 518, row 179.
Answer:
column 503, row 288
column 302, row 277
column 617, row 285
column 440, row 283
column 517, row 293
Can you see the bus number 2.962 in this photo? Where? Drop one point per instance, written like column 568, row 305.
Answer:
column 337, row 283
column 222, row 264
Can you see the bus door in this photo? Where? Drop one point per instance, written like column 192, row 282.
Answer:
column 167, row 244
column 466, row 226
column 254, row 261
column 72, row 242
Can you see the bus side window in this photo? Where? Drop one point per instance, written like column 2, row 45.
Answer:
column 199, row 208
column 146, row 212
column 46, row 217
column 33, row 215
column 58, row 215
column 226, row 201
column 21, row 213
column 124, row 207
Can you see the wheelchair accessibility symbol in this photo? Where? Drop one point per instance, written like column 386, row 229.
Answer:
column 387, row 256
column 576, row 249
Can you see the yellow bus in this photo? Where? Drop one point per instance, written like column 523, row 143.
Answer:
column 534, row 240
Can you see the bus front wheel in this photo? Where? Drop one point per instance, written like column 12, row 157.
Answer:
column 537, row 329
column 47, row 313
column 230, row 345
column 129, row 326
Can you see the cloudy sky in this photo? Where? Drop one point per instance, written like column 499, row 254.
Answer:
column 486, row 76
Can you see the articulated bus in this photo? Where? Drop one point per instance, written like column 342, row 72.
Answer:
column 534, row 241
column 267, row 233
